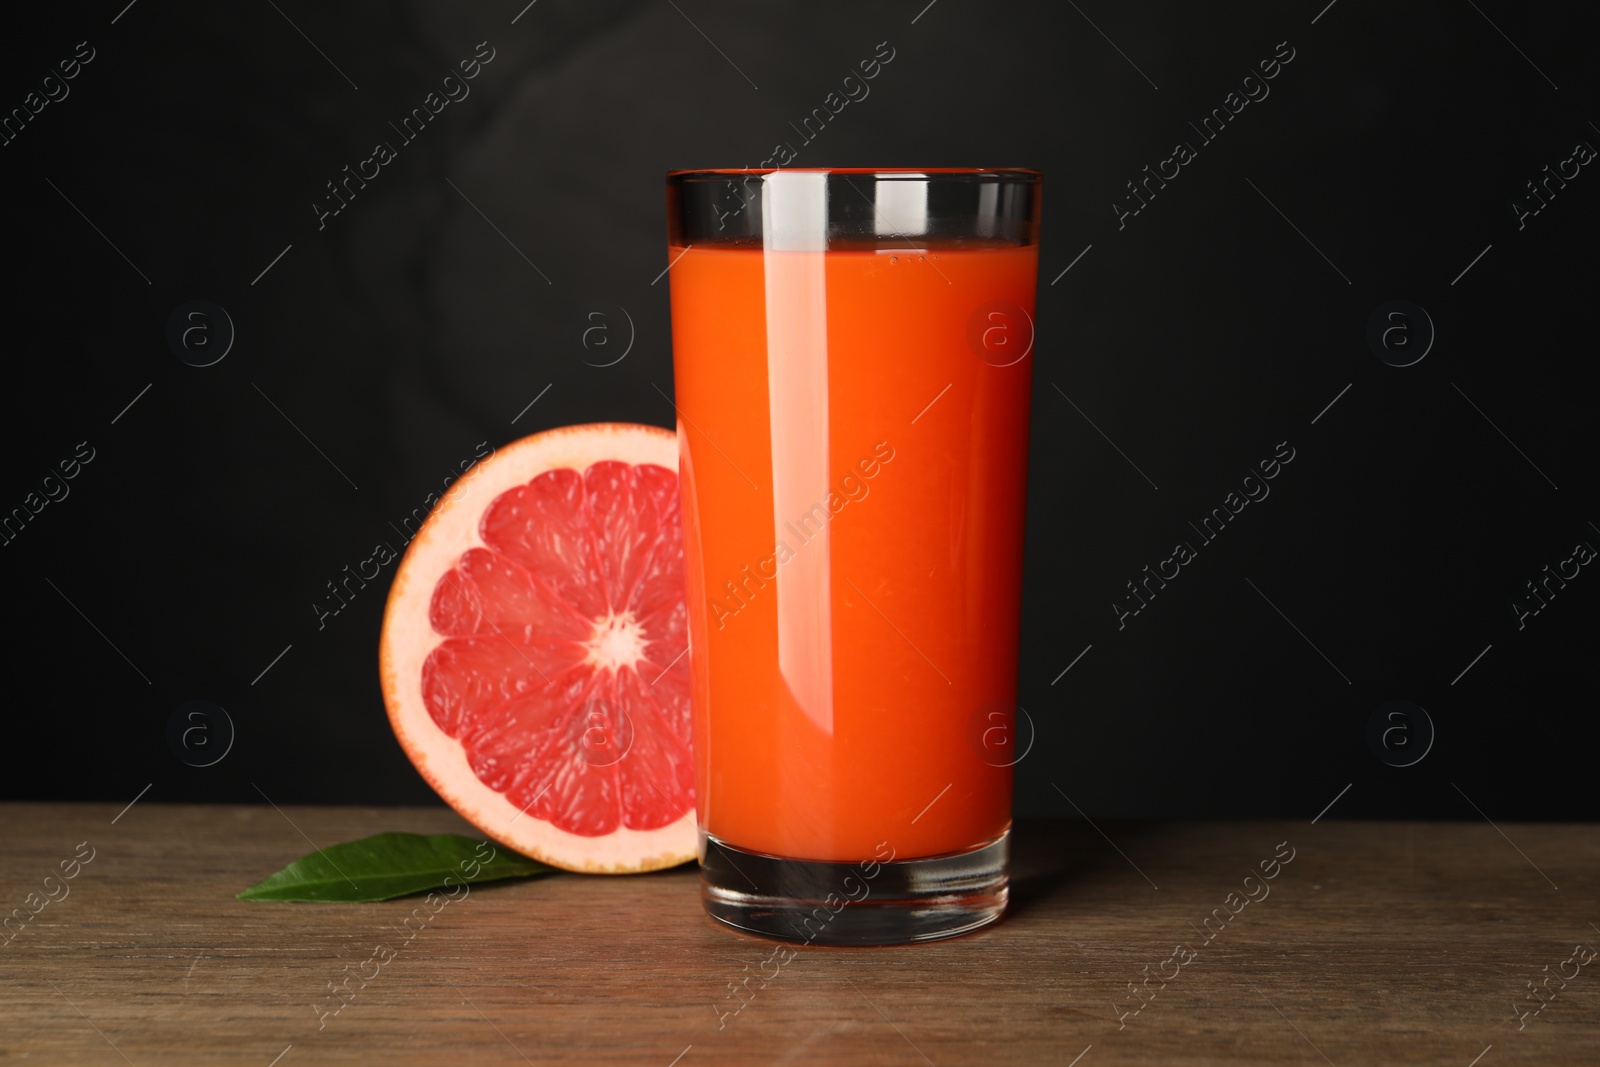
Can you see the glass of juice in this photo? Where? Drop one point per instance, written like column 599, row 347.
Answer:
column 852, row 352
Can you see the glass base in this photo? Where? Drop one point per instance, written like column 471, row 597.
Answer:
column 866, row 903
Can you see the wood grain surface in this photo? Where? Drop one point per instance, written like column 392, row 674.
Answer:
column 1377, row 943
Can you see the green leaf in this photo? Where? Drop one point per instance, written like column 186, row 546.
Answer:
column 384, row 866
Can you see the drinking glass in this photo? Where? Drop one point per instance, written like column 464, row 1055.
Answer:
column 853, row 358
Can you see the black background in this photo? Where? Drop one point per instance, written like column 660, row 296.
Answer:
column 1218, row 322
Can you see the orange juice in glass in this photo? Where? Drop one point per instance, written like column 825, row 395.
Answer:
column 853, row 361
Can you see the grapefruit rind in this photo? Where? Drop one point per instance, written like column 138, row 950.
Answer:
column 408, row 637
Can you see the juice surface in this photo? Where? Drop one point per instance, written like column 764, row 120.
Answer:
column 853, row 458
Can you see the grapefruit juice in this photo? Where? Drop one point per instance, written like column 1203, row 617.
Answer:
column 857, row 627
column 852, row 427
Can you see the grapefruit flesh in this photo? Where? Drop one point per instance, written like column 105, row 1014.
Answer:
column 534, row 656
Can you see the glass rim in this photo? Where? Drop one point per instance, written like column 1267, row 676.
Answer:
column 1031, row 175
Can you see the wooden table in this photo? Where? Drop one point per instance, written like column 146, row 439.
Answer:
column 1378, row 943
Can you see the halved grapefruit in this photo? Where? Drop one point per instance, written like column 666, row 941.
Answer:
column 534, row 651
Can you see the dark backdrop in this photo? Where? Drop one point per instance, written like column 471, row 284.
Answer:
column 1180, row 347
